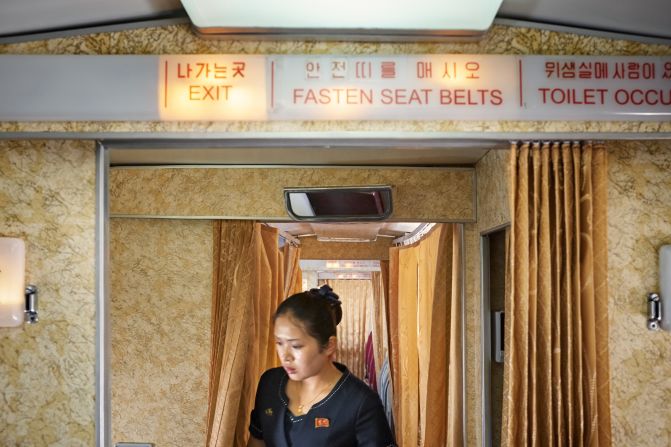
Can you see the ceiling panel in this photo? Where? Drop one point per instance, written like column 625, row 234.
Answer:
column 33, row 16
column 640, row 17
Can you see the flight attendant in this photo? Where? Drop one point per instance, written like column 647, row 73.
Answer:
column 312, row 401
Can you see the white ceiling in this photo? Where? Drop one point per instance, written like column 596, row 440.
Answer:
column 33, row 16
column 651, row 18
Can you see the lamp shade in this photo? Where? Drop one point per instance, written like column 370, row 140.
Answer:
column 12, row 281
column 381, row 18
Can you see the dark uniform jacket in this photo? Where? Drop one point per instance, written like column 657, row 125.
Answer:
column 351, row 415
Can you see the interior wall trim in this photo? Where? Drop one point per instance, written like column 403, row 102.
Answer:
column 103, row 421
column 485, row 335
column 286, row 139
column 464, row 405
column 262, row 218
column 296, row 166
column 485, row 352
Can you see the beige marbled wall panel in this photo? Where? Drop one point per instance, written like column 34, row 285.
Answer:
column 179, row 39
column 493, row 211
column 311, row 248
column 47, row 378
column 639, row 222
column 160, row 309
column 419, row 194
column 472, row 327
column 493, row 183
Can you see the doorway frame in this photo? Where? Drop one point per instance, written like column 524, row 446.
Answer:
column 104, row 148
column 486, row 332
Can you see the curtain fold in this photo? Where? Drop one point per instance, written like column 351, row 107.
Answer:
column 425, row 299
column 379, row 321
column 356, row 298
column 293, row 281
column 272, row 292
column 248, row 285
column 232, row 312
column 556, row 369
column 394, row 340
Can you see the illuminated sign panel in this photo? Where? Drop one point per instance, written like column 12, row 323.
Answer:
column 402, row 87
column 212, row 87
column 471, row 87
column 595, row 88
column 334, row 87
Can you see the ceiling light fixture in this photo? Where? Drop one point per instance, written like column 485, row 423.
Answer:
column 386, row 20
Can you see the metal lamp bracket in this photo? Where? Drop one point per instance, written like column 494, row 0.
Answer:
column 654, row 312
column 30, row 313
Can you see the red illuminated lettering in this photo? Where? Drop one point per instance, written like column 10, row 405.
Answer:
column 468, row 97
column 184, row 72
column 388, row 69
column 208, row 93
column 239, row 69
column 337, row 96
column 667, row 70
column 363, row 70
column 402, row 96
column 472, row 67
column 573, row 96
column 424, row 70
column 638, row 97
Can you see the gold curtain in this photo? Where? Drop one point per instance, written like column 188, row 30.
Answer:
column 270, row 299
column 384, row 276
column 356, row 298
column 394, row 340
column 556, row 369
column 293, row 281
column 378, row 320
column 248, row 283
column 425, row 300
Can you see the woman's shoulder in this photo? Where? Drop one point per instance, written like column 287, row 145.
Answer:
column 273, row 375
column 358, row 386
column 270, row 382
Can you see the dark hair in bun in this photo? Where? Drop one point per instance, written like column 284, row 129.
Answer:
column 318, row 310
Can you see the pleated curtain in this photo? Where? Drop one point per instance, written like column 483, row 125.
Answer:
column 248, row 284
column 556, row 369
column 425, row 307
column 378, row 320
column 293, row 280
column 356, row 296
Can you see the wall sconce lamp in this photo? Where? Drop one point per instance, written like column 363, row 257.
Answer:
column 659, row 304
column 18, row 303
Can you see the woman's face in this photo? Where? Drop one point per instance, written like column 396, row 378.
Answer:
column 300, row 354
